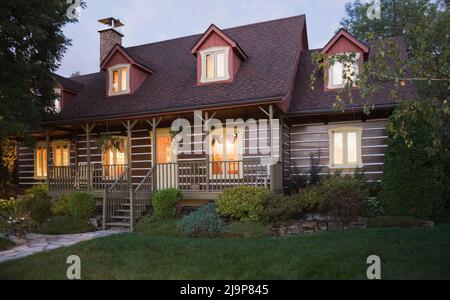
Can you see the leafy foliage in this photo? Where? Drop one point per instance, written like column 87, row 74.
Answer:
column 276, row 208
column 36, row 203
column 31, row 44
column 165, row 201
column 242, row 203
column 82, row 205
column 65, row 225
column 310, row 199
column 343, row 197
column 60, row 207
column 205, row 222
column 413, row 178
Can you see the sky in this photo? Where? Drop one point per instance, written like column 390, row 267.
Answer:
column 148, row 21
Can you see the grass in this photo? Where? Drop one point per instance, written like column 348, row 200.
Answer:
column 65, row 225
column 156, row 251
column 5, row 244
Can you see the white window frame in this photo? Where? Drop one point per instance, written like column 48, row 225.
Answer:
column 214, row 51
column 58, row 106
column 331, row 86
column 61, row 143
column 240, row 154
column 111, row 79
column 345, row 131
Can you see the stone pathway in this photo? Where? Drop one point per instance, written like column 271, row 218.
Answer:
column 40, row 243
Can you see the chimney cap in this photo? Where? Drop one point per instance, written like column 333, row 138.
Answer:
column 112, row 22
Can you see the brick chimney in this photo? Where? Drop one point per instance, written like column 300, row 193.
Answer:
column 110, row 36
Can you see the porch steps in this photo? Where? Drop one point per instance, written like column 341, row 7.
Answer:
column 118, row 224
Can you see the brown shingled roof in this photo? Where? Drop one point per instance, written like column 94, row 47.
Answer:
column 267, row 75
column 307, row 101
column 68, row 84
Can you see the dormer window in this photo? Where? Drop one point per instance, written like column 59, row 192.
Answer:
column 337, row 71
column 215, row 64
column 58, row 105
column 119, row 80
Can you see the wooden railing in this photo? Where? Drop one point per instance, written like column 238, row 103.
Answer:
column 203, row 176
column 142, row 193
column 84, row 177
column 116, row 197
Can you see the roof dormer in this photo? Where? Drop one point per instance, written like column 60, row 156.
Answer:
column 343, row 43
column 218, row 57
column 125, row 72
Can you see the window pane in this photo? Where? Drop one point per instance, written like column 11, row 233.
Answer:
column 44, row 162
column 232, row 155
column 210, row 66
column 66, row 155
column 115, row 81
column 217, row 155
column 38, row 162
column 123, row 87
column 351, row 148
column 58, row 156
column 337, row 74
column 338, row 148
column 220, row 57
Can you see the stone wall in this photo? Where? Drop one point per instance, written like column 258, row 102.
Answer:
column 315, row 223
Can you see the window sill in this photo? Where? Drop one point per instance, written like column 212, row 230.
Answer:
column 352, row 166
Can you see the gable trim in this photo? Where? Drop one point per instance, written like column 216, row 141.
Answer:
column 130, row 59
column 344, row 33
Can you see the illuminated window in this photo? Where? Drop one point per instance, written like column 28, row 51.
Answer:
column 58, row 99
column 226, row 153
column 40, row 161
column 119, row 82
column 337, row 70
column 345, row 147
column 215, row 64
column 114, row 160
column 61, row 154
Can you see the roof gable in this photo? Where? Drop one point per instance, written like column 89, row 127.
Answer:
column 345, row 34
column 214, row 29
column 132, row 59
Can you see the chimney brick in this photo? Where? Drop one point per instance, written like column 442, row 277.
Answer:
column 108, row 39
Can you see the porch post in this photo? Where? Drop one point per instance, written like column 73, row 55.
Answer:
column 47, row 146
column 206, row 158
column 154, row 164
column 88, row 155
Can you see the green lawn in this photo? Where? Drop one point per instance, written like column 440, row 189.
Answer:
column 406, row 253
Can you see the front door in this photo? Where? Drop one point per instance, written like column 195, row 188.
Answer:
column 166, row 159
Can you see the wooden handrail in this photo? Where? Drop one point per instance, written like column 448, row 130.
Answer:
column 118, row 179
column 149, row 174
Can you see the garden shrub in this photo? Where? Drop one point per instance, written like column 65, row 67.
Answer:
column 60, row 207
column 413, row 173
column 388, row 221
column 276, row 208
column 82, row 205
column 310, row 199
column 343, row 197
column 249, row 230
column 242, row 203
column 372, row 207
column 37, row 203
column 65, row 225
column 205, row 222
column 165, row 203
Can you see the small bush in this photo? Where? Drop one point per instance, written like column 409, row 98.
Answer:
column 372, row 207
column 277, row 208
column 82, row 205
column 165, row 203
column 205, row 222
column 60, row 207
column 36, row 202
column 388, row 221
column 310, row 200
column 65, row 225
column 242, row 203
column 249, row 230
column 343, row 197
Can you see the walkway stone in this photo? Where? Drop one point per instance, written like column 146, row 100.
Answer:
column 41, row 243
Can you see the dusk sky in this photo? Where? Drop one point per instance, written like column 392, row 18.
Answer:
column 148, row 21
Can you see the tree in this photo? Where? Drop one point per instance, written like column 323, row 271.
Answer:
column 31, row 45
column 413, row 177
